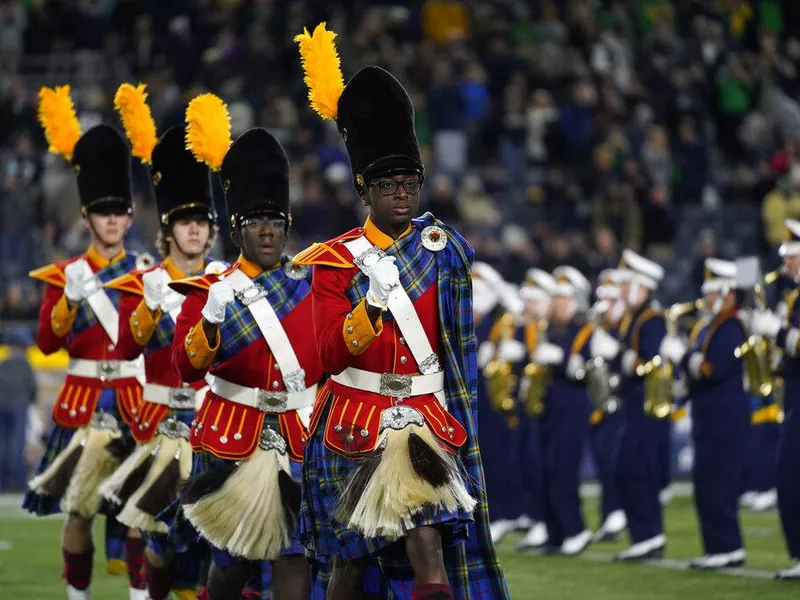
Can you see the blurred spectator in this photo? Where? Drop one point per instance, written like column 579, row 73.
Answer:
column 708, row 249
column 445, row 21
column 19, row 392
column 576, row 121
column 446, row 118
column 616, row 209
column 658, row 225
column 780, row 204
column 476, row 206
column 691, row 157
column 656, row 157
column 541, row 115
column 443, row 202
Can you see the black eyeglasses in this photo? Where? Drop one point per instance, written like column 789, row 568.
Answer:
column 389, row 187
column 256, row 223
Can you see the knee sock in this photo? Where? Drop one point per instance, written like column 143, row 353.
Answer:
column 134, row 557
column 432, row 591
column 159, row 582
column 78, row 568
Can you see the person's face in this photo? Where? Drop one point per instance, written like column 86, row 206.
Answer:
column 109, row 229
column 711, row 298
column 563, row 309
column 792, row 264
column 616, row 308
column 393, row 201
column 190, row 236
column 261, row 239
column 536, row 309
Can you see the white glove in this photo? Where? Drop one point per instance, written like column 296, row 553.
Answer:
column 511, row 351
column 155, row 288
column 548, row 354
column 604, row 346
column 486, row 353
column 81, row 282
column 383, row 278
column 672, row 348
column 220, row 294
column 766, row 323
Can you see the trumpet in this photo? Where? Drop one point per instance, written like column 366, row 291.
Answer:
column 601, row 384
column 757, row 351
column 499, row 373
column 659, row 373
column 536, row 378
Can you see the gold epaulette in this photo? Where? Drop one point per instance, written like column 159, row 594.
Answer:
column 198, row 282
column 129, row 282
column 324, row 253
column 52, row 274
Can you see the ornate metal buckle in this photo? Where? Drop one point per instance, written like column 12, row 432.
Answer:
column 270, row 440
column 108, row 369
column 368, row 259
column 251, row 294
column 181, row 398
column 103, row 420
column 430, row 365
column 173, row 429
column 295, row 381
column 272, row 402
column 400, row 417
column 296, row 272
column 395, row 386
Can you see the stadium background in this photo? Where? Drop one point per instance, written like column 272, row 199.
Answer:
column 554, row 132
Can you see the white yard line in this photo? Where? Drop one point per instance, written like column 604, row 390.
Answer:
column 683, row 565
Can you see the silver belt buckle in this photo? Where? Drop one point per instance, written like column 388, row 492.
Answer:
column 173, row 429
column 108, row 369
column 395, row 386
column 272, row 402
column 251, row 294
column 181, row 398
column 295, row 381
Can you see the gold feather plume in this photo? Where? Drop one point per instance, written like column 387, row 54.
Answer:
column 323, row 72
column 57, row 116
column 208, row 129
column 131, row 104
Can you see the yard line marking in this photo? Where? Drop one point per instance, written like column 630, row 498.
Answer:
column 5, row 545
column 683, row 565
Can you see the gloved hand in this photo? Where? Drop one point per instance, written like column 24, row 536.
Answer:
column 220, row 294
column 383, row 278
column 766, row 323
column 155, row 288
column 672, row 348
column 604, row 346
column 79, row 281
column 548, row 354
column 486, row 352
column 511, row 351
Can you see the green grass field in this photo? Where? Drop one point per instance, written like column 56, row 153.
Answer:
column 30, row 565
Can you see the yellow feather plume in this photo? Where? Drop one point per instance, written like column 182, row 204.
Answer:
column 323, row 73
column 131, row 104
column 208, row 129
column 57, row 117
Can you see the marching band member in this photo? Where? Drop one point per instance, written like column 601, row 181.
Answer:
column 536, row 293
column 639, row 466
column 100, row 398
column 163, row 460
column 565, row 421
column 393, row 321
column 607, row 422
column 720, row 416
column 786, row 333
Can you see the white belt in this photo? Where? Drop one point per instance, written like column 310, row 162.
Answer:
column 393, row 385
column 176, row 398
column 105, row 370
column 268, row 401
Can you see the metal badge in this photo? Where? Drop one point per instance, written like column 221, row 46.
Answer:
column 434, row 238
column 215, row 267
column 395, row 386
column 295, row 381
column 400, row 417
column 270, row 440
column 368, row 259
column 103, row 420
column 296, row 272
column 272, row 402
column 107, row 370
column 251, row 294
column 181, row 398
column 144, row 261
column 430, row 365
column 173, row 429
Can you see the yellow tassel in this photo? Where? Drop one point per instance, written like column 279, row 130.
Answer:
column 57, row 117
column 131, row 103
column 208, row 129
column 323, row 72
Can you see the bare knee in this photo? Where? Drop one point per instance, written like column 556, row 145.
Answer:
column 155, row 560
column 291, row 578
column 348, row 575
column 425, row 553
column 77, row 537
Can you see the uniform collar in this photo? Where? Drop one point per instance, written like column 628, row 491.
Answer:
column 251, row 269
column 378, row 238
column 100, row 261
column 174, row 272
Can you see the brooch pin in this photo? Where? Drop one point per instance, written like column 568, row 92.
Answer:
column 296, row 272
column 434, row 238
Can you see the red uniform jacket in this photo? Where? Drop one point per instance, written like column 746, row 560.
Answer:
column 79, row 332
column 224, row 428
column 347, row 338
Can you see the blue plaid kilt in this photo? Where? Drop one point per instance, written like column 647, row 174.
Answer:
column 60, row 437
column 325, row 474
column 191, row 565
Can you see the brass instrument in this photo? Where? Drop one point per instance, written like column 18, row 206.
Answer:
column 536, row 378
column 499, row 373
column 757, row 351
column 601, row 384
column 659, row 373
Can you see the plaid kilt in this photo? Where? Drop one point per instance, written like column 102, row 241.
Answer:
column 191, row 564
column 60, row 437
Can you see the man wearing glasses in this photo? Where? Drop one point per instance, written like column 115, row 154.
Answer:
column 392, row 472
column 246, row 331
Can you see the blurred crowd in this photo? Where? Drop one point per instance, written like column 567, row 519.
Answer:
column 554, row 132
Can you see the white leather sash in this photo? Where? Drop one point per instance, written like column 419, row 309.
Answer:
column 391, row 384
column 103, row 308
column 267, row 401
column 254, row 297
